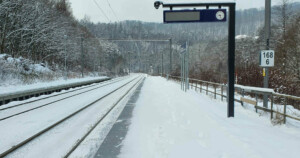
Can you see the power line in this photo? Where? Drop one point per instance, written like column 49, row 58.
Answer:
column 101, row 10
column 136, row 40
column 113, row 11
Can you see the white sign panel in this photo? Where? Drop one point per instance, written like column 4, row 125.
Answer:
column 267, row 58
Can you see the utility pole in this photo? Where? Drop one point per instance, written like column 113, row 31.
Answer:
column 66, row 73
column 82, row 56
column 267, row 36
column 129, row 62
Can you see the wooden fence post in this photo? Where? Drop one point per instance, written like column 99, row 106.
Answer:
column 256, row 101
column 284, row 110
column 215, row 92
column 222, row 92
column 206, row 88
column 200, row 87
column 243, row 94
column 272, row 102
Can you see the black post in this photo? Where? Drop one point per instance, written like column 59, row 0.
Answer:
column 231, row 60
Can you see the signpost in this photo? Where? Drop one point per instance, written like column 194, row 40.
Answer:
column 208, row 15
column 203, row 15
column 267, row 36
column 266, row 58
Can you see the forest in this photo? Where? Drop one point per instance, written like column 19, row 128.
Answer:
column 45, row 32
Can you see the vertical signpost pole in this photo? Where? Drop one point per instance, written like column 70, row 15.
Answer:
column 267, row 36
column 231, row 61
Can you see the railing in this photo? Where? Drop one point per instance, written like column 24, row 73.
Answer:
column 217, row 89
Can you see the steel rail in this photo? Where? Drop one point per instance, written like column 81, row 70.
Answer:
column 99, row 121
column 38, row 107
column 21, row 144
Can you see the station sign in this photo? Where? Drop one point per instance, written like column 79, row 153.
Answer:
column 266, row 58
column 200, row 15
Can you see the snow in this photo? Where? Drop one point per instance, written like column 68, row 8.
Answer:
column 2, row 56
column 241, row 36
column 19, row 88
column 259, row 89
column 168, row 122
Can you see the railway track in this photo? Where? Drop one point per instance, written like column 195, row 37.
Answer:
column 51, row 102
column 132, row 83
column 62, row 93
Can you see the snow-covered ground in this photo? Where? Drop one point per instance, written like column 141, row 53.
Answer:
column 168, row 122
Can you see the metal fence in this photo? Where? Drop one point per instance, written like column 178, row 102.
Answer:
column 217, row 89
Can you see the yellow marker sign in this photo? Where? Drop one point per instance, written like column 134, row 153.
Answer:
column 264, row 72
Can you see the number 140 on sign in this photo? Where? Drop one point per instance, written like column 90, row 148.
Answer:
column 267, row 58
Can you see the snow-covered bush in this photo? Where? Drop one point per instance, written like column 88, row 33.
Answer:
column 22, row 71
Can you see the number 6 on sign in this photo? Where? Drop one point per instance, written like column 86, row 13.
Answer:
column 266, row 58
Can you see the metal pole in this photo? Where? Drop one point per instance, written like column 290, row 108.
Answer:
column 181, row 71
column 162, row 63
column 231, row 60
column 267, row 36
column 171, row 55
column 187, row 66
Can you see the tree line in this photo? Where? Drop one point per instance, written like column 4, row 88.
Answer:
column 45, row 31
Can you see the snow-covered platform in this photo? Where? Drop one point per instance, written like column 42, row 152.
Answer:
column 167, row 122
column 111, row 146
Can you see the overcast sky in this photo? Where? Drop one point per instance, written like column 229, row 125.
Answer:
column 119, row 10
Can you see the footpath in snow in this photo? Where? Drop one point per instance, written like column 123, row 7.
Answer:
column 170, row 123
